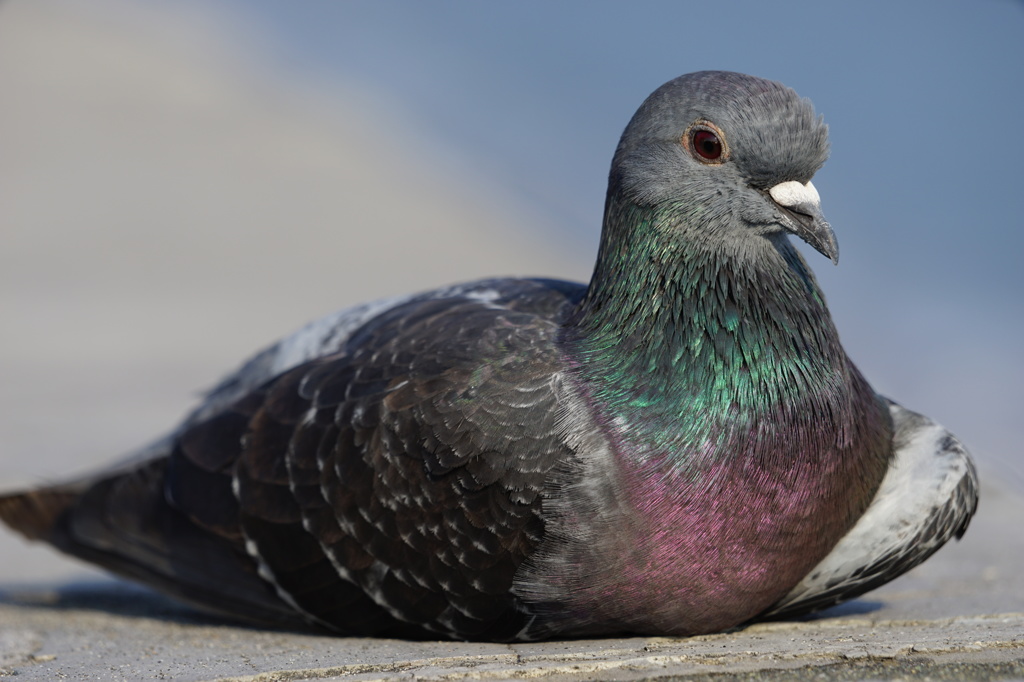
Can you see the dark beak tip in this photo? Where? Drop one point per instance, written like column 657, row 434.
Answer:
column 819, row 235
column 829, row 247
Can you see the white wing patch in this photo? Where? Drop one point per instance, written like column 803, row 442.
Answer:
column 927, row 496
column 325, row 336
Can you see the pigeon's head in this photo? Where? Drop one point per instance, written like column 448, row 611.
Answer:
column 730, row 155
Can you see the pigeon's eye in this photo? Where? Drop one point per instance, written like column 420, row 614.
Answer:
column 705, row 142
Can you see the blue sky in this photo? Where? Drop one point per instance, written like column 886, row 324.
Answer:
column 924, row 101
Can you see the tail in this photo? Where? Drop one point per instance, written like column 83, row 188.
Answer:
column 35, row 513
column 124, row 523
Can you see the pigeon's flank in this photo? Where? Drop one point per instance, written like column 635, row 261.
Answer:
column 680, row 446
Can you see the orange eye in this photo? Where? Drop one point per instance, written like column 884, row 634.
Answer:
column 706, row 144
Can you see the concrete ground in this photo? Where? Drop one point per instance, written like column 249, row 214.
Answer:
column 151, row 241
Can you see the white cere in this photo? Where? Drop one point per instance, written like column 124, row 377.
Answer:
column 793, row 193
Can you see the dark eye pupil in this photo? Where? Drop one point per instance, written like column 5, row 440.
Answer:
column 706, row 144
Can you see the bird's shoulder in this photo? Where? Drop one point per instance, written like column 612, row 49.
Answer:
column 546, row 298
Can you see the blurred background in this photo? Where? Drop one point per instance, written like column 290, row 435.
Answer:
column 183, row 182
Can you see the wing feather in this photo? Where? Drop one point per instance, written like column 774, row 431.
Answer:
column 377, row 473
column 927, row 497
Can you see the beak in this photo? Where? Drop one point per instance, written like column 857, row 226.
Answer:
column 801, row 206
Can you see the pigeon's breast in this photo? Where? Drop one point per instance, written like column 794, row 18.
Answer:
column 708, row 549
column 652, row 542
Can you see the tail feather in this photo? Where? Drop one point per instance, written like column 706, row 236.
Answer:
column 36, row 513
column 125, row 524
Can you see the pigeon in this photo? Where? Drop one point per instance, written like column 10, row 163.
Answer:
column 679, row 447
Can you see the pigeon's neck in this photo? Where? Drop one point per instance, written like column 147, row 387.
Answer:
column 723, row 407
column 678, row 326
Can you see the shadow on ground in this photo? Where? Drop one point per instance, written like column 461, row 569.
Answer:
column 854, row 607
column 110, row 596
column 122, row 598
